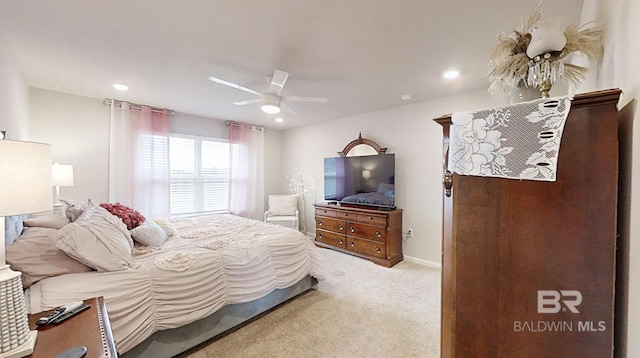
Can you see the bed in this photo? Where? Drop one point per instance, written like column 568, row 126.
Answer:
column 211, row 273
column 383, row 196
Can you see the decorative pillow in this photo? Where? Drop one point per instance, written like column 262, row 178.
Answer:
column 283, row 204
column 50, row 221
column 129, row 217
column 97, row 240
column 149, row 233
column 168, row 227
column 35, row 255
column 13, row 226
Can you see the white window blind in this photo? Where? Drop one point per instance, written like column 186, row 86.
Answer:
column 199, row 174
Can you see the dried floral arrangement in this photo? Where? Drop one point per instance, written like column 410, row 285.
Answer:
column 509, row 63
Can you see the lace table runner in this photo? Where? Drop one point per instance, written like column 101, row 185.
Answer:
column 515, row 142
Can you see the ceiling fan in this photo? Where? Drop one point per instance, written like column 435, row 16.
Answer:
column 271, row 100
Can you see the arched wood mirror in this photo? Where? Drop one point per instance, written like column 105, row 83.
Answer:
column 362, row 146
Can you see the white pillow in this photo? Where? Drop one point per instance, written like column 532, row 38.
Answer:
column 283, row 204
column 37, row 257
column 50, row 221
column 149, row 233
column 168, row 227
column 97, row 240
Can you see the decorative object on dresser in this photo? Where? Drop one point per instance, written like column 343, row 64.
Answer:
column 25, row 187
column 534, row 54
column 370, row 227
column 528, row 266
column 90, row 329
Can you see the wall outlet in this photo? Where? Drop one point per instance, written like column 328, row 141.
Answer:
column 409, row 232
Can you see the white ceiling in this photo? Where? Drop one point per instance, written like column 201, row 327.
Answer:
column 361, row 54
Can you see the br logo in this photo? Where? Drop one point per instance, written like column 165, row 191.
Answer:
column 550, row 301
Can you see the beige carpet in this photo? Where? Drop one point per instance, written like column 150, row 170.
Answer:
column 361, row 310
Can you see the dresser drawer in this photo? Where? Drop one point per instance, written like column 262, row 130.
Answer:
column 373, row 219
column 371, row 232
column 330, row 224
column 371, row 248
column 331, row 238
column 346, row 215
column 326, row 212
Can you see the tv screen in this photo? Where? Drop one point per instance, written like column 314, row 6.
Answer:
column 364, row 180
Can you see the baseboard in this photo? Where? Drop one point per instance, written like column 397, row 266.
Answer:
column 415, row 260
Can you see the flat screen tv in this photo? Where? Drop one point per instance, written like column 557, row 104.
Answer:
column 363, row 180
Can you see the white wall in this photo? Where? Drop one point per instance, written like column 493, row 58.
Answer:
column 14, row 97
column 78, row 130
column 416, row 140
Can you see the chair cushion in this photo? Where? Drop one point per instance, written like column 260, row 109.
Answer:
column 283, row 204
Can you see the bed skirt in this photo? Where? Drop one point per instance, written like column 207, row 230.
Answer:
column 171, row 342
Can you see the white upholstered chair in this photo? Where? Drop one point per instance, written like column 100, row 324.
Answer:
column 283, row 210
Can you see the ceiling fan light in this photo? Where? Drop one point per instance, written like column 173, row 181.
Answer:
column 270, row 108
column 270, row 104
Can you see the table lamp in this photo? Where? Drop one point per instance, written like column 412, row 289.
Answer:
column 62, row 175
column 25, row 187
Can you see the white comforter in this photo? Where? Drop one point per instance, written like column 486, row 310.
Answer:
column 216, row 260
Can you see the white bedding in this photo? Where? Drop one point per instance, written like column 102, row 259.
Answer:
column 216, row 260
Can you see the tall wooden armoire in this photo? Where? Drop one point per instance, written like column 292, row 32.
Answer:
column 528, row 267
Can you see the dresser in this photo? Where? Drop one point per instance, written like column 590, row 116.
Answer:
column 528, row 267
column 90, row 328
column 371, row 234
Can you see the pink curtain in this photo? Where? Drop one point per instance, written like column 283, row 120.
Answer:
column 246, row 184
column 139, row 159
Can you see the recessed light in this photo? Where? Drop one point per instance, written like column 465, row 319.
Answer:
column 279, row 119
column 406, row 96
column 451, row 74
column 120, row 87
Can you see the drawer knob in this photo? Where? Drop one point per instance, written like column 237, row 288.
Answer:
column 319, row 236
column 352, row 244
column 352, row 229
column 370, row 217
column 340, row 241
column 340, row 227
column 319, row 223
column 378, row 250
column 346, row 214
column 378, row 234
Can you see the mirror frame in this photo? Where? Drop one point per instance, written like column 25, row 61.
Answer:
column 360, row 140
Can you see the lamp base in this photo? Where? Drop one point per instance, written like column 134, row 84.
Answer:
column 59, row 208
column 25, row 349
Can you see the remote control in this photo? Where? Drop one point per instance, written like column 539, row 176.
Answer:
column 68, row 314
column 57, row 312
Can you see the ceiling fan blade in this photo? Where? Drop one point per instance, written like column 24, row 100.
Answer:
column 249, row 101
column 277, row 81
column 306, row 99
column 236, row 86
column 287, row 109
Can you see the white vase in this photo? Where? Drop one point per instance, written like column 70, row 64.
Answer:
column 522, row 93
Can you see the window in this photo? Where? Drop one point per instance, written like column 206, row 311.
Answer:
column 199, row 174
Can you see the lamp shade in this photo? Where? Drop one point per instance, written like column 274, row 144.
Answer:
column 25, row 177
column 62, row 174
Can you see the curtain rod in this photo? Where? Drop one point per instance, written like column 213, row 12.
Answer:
column 135, row 106
column 238, row 124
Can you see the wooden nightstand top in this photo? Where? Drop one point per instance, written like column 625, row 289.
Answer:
column 89, row 328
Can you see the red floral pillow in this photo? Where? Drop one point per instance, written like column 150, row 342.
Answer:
column 129, row 217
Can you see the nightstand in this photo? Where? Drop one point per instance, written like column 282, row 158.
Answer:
column 89, row 328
